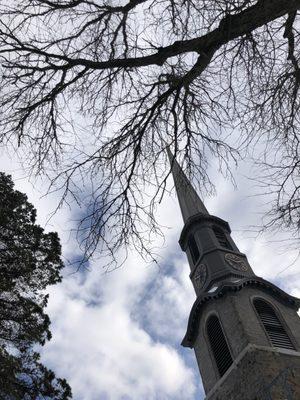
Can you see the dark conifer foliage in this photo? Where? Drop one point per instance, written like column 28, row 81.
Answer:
column 30, row 260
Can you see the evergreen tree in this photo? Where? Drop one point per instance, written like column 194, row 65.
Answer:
column 30, row 260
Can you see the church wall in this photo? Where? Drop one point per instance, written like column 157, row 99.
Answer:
column 241, row 327
column 252, row 324
column 233, row 329
column 261, row 374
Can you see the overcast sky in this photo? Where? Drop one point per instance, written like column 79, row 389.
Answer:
column 117, row 335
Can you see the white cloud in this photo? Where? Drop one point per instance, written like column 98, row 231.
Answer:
column 117, row 336
column 165, row 309
column 104, row 350
column 100, row 343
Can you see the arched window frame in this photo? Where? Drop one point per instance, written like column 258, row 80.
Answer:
column 221, row 237
column 280, row 319
column 220, row 372
column 193, row 248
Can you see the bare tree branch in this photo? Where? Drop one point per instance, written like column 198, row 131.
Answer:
column 97, row 89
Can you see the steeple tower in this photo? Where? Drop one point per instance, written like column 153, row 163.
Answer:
column 212, row 254
column 245, row 331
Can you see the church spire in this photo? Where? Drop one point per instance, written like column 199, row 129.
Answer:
column 189, row 201
column 242, row 327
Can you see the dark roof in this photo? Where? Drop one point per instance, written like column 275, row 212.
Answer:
column 225, row 287
column 189, row 201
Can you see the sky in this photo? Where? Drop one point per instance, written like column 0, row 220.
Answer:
column 117, row 335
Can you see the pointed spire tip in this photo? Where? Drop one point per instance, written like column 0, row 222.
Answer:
column 189, row 201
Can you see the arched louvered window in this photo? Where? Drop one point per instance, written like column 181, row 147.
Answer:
column 273, row 326
column 193, row 249
column 218, row 344
column 222, row 239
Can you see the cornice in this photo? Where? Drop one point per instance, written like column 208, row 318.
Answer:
column 200, row 217
column 227, row 287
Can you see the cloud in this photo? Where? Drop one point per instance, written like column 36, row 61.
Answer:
column 101, row 342
column 104, row 350
column 117, row 336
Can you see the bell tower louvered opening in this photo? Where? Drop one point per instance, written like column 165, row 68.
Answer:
column 273, row 326
column 193, row 249
column 222, row 239
column 218, row 345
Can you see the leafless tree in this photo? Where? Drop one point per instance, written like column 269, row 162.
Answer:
column 97, row 88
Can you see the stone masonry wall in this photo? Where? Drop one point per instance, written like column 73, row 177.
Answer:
column 260, row 374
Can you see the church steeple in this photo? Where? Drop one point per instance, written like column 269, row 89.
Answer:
column 213, row 255
column 245, row 331
column 189, row 201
